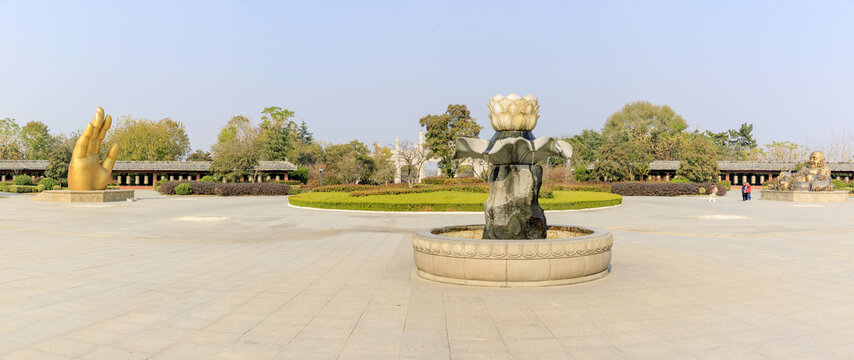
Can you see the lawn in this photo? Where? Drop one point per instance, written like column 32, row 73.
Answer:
column 444, row 201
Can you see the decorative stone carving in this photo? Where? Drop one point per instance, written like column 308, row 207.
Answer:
column 513, row 210
column 513, row 113
column 570, row 255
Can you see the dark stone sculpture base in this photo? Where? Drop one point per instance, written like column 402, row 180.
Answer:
column 513, row 209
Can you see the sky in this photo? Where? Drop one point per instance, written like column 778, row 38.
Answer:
column 368, row 70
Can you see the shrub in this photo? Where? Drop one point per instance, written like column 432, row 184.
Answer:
column 665, row 189
column 228, row 189
column 726, row 183
column 680, row 180
column 839, row 184
column 22, row 189
column 183, row 189
column 300, row 175
column 581, row 173
column 160, row 183
column 289, row 182
column 57, row 187
column 40, row 187
column 208, row 178
column 22, row 180
column 48, row 183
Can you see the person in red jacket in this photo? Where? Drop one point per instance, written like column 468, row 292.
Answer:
column 747, row 190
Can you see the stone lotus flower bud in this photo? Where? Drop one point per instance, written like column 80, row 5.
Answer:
column 513, row 113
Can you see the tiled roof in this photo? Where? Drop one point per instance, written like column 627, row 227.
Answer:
column 201, row 166
column 673, row 165
column 23, row 165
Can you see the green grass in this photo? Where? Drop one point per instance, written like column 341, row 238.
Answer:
column 444, row 201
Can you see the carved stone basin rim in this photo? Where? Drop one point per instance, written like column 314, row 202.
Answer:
column 580, row 254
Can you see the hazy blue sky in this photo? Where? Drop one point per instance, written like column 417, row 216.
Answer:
column 370, row 70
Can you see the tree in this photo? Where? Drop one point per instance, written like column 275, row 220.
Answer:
column 733, row 144
column 36, row 141
column 305, row 153
column 622, row 161
column 235, row 154
column 654, row 127
column 277, row 133
column 699, row 161
column 60, row 156
column 9, row 142
column 351, row 161
column 384, row 168
column 443, row 131
column 200, row 155
column 412, row 158
column 780, row 151
column 585, row 146
column 148, row 140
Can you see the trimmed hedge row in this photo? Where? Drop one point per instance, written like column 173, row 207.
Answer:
column 12, row 188
column 579, row 187
column 228, row 189
column 445, row 201
column 438, row 180
column 474, row 188
column 350, row 187
column 665, row 189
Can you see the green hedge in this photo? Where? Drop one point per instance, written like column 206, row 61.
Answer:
column 444, row 201
column 595, row 187
column 666, row 188
column 438, row 180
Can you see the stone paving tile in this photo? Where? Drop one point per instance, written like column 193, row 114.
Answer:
column 65, row 347
column 278, row 282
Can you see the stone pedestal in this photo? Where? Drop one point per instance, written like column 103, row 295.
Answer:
column 513, row 210
column 806, row 196
column 73, row 196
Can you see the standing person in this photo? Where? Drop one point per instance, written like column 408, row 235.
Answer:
column 749, row 188
column 713, row 193
column 743, row 192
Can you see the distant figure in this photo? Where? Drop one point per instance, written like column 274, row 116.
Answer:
column 713, row 193
column 743, row 192
column 748, row 189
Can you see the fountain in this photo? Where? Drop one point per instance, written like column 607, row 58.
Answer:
column 515, row 246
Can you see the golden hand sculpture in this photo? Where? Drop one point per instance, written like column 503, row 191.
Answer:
column 86, row 171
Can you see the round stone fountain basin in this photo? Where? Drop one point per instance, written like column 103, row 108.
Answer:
column 458, row 255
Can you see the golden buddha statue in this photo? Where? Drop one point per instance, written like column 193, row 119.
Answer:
column 814, row 176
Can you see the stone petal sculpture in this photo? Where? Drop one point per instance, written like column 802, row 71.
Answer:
column 86, row 170
column 514, row 150
column 512, row 209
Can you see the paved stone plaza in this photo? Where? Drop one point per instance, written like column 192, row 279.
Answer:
column 251, row 278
